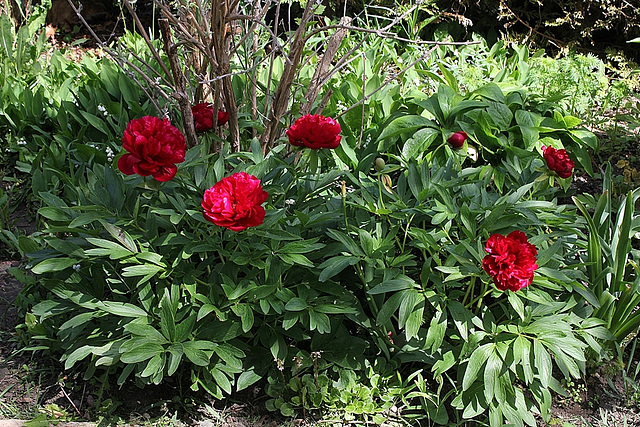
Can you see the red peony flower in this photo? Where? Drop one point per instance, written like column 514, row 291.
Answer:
column 235, row 202
column 203, row 116
column 457, row 139
column 315, row 131
column 558, row 161
column 511, row 260
column 154, row 147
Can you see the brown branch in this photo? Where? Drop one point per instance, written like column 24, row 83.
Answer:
column 180, row 85
column 322, row 72
column 116, row 57
column 146, row 38
column 281, row 97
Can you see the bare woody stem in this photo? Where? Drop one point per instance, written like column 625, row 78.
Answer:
column 180, row 85
column 281, row 97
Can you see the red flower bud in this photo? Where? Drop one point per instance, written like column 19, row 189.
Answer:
column 315, row 131
column 457, row 139
column 558, row 161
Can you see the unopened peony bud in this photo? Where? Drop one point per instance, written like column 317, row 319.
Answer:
column 457, row 139
column 379, row 164
column 558, row 161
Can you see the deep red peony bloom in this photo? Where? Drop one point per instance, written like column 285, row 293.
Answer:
column 511, row 260
column 457, row 139
column 154, row 147
column 203, row 116
column 235, row 202
column 315, row 131
column 558, row 161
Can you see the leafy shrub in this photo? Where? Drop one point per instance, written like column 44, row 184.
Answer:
column 338, row 282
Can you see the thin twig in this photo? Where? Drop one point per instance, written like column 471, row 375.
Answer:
column 69, row 399
column 145, row 36
column 180, row 84
column 556, row 42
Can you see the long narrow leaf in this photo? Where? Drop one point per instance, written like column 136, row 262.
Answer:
column 621, row 242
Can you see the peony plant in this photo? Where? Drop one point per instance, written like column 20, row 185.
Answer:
column 154, row 146
column 511, row 260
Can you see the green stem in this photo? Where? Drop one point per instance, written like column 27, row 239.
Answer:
column 470, row 290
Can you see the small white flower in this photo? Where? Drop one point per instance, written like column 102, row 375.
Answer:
column 22, row 142
column 289, row 202
column 76, row 267
column 110, row 154
column 279, row 364
column 103, row 110
column 472, row 153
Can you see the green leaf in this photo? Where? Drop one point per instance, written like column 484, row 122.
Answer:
column 319, row 322
column 222, row 380
column 167, row 317
column 436, row 331
column 155, row 365
column 122, row 309
column 405, row 124
column 350, row 245
column 144, row 330
column 246, row 379
column 296, row 259
column 476, row 362
column 516, row 303
column 398, row 283
column 176, row 351
column 194, row 354
column 419, row 143
column 389, row 307
column 296, row 304
column 335, row 265
column 78, row 354
column 542, row 361
column 53, row 264
column 121, row 236
column 142, row 352
column 54, row 214
column 141, row 270
column 491, row 374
